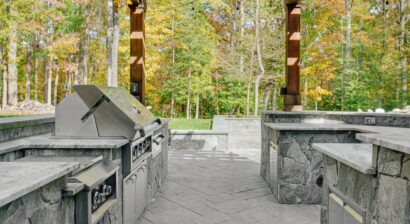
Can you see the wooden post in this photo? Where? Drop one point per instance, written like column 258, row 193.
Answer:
column 137, row 51
column 292, row 99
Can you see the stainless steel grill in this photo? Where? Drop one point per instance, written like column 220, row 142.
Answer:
column 104, row 112
column 95, row 111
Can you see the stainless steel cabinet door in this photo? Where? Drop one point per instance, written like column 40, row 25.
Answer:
column 336, row 209
column 129, row 202
column 134, row 191
column 140, row 189
column 351, row 217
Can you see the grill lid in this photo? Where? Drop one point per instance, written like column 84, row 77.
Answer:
column 103, row 112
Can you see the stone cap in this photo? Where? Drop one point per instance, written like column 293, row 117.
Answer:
column 357, row 156
column 20, row 178
column 24, row 121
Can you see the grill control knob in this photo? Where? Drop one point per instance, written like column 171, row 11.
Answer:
column 97, row 198
column 108, row 190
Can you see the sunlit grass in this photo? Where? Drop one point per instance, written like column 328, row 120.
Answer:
column 185, row 124
column 9, row 115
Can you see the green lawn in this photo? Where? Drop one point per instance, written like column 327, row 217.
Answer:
column 8, row 115
column 185, row 124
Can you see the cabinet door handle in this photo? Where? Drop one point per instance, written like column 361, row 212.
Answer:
column 159, row 139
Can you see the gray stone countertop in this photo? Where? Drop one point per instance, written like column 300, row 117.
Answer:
column 349, row 113
column 357, row 156
column 22, row 121
column 20, row 178
column 47, row 141
column 389, row 137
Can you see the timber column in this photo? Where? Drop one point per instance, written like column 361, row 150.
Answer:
column 137, row 50
column 291, row 92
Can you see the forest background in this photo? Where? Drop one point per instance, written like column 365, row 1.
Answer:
column 209, row 57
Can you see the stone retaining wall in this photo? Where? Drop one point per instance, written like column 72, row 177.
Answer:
column 199, row 140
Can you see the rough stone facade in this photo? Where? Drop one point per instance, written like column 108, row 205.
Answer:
column 296, row 177
column 46, row 203
column 157, row 168
column 384, row 197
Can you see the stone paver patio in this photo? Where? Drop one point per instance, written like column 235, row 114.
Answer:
column 205, row 187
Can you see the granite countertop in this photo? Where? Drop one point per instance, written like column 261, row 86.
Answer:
column 357, row 156
column 389, row 137
column 14, row 122
column 20, row 178
column 84, row 161
column 47, row 141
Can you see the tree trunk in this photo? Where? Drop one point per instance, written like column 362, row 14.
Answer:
column 70, row 82
column 4, row 97
column 36, row 68
column 50, row 34
column 188, row 101
column 242, row 34
column 274, row 95
column 28, row 74
column 76, row 77
column 116, row 43
column 249, row 81
column 217, row 93
column 260, row 58
column 45, row 75
column 49, row 81
column 346, row 50
column 197, row 107
column 173, row 67
column 12, row 59
column 55, row 95
column 402, row 49
column 305, row 101
column 110, row 38
column 266, row 95
column 85, row 66
column 3, row 84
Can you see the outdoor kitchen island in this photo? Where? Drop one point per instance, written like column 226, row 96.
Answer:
column 359, row 173
column 103, row 163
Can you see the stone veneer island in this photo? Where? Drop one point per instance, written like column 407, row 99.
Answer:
column 358, row 172
column 36, row 168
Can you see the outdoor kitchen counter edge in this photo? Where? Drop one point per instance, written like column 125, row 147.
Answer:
column 46, row 141
column 356, row 155
column 24, row 121
column 393, row 138
column 20, row 178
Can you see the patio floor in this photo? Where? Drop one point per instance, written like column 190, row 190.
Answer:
column 205, row 187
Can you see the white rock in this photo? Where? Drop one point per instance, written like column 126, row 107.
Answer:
column 397, row 110
column 380, row 110
column 370, row 111
column 360, row 110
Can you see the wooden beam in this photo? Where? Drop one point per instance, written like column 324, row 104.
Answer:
column 292, row 98
column 137, row 50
